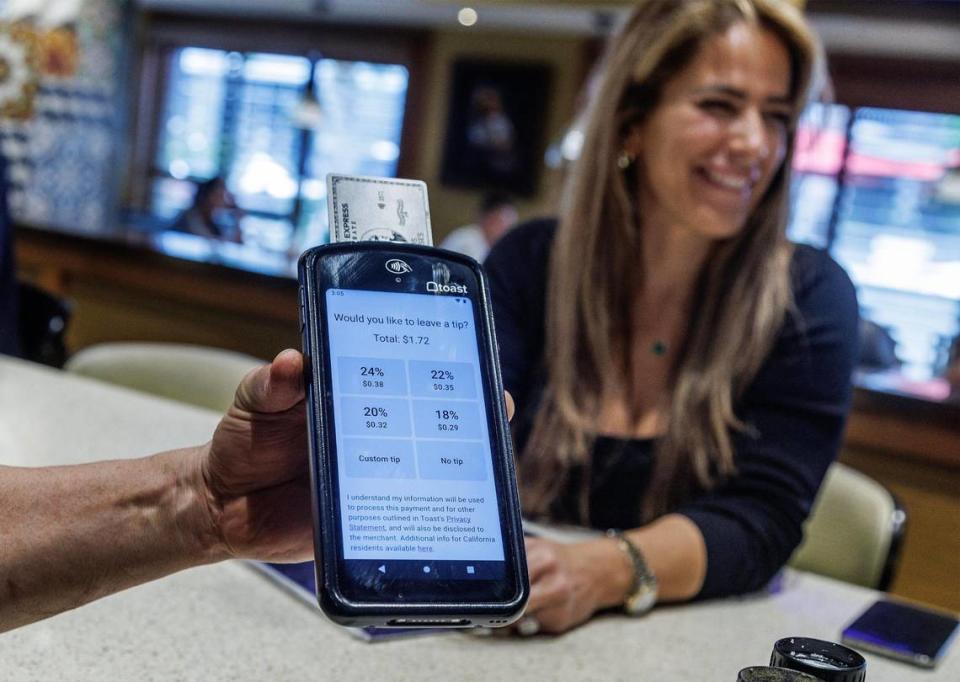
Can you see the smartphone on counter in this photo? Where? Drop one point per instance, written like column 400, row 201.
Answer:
column 416, row 511
column 902, row 631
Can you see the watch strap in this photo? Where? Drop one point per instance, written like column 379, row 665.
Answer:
column 642, row 594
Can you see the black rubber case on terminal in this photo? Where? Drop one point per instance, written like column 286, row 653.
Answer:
column 361, row 265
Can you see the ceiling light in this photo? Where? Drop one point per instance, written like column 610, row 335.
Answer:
column 467, row 16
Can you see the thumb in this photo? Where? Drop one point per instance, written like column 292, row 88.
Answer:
column 272, row 388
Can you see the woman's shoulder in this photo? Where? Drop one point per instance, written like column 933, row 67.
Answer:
column 819, row 283
column 813, row 271
column 815, row 352
column 808, row 369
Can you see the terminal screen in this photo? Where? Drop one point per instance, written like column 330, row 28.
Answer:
column 416, row 483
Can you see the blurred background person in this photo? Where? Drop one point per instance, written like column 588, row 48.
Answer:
column 214, row 213
column 496, row 215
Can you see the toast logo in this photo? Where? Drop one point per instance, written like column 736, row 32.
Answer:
column 397, row 266
column 436, row 288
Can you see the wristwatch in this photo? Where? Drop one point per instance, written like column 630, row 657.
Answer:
column 642, row 594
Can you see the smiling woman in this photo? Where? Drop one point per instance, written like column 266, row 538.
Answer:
column 709, row 151
column 679, row 369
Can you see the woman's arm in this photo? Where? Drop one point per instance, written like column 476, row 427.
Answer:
column 69, row 535
column 571, row 582
column 795, row 411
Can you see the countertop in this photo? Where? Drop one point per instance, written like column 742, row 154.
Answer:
column 225, row 621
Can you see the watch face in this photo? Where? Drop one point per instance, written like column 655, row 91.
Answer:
column 642, row 600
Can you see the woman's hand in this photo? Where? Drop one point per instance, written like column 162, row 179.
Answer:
column 571, row 582
column 255, row 469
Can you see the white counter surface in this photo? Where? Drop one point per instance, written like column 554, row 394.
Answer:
column 226, row 622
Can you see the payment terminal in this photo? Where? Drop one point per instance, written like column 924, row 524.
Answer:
column 416, row 512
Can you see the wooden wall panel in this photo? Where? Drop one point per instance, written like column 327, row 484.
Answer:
column 127, row 293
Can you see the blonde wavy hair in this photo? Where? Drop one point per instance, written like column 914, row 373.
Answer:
column 742, row 295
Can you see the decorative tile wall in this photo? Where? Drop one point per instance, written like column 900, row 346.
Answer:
column 62, row 122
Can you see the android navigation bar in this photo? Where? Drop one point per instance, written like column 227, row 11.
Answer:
column 429, row 570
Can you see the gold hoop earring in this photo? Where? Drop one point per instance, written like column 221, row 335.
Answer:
column 625, row 160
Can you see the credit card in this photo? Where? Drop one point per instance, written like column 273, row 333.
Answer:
column 378, row 209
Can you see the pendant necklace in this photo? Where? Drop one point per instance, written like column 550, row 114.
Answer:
column 659, row 348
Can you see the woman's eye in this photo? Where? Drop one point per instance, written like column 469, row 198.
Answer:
column 718, row 106
column 780, row 118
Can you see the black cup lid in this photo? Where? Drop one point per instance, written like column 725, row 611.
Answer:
column 827, row 661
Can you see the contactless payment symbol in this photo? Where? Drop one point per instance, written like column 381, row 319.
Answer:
column 397, row 266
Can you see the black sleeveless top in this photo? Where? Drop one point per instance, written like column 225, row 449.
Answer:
column 619, row 473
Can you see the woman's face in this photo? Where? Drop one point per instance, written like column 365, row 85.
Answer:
column 708, row 151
